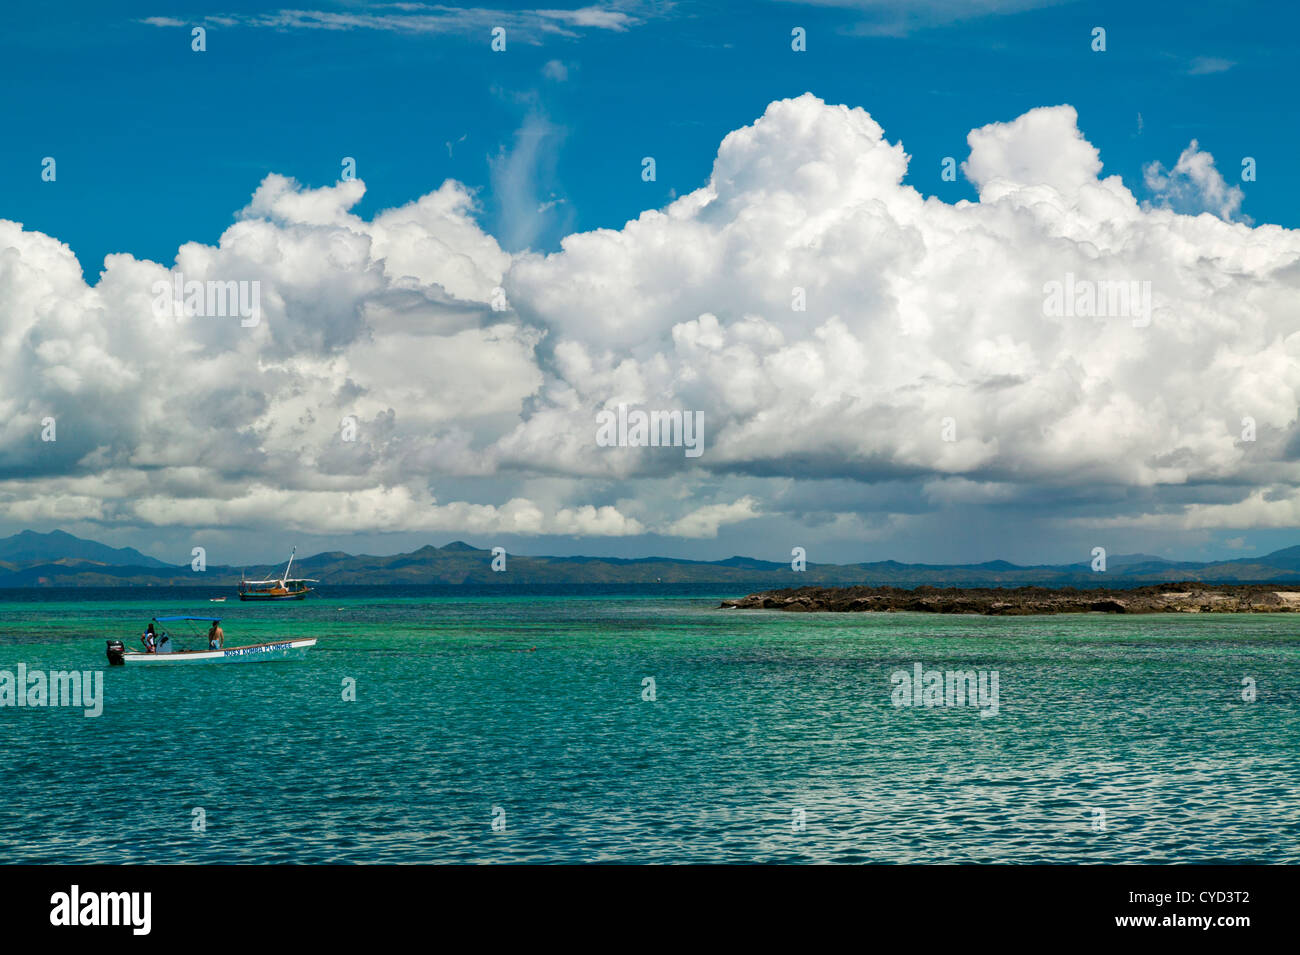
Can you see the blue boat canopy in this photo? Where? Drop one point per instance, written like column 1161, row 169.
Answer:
column 204, row 619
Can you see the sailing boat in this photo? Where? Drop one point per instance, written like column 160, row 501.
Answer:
column 286, row 588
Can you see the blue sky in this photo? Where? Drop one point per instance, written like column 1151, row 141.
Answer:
column 157, row 146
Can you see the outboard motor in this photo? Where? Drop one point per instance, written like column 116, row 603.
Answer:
column 115, row 651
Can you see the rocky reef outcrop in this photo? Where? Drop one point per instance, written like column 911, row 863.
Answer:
column 1021, row 601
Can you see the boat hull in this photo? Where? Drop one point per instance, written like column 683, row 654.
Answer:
column 255, row 653
column 253, row 595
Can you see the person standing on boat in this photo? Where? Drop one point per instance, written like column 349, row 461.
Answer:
column 149, row 639
column 216, row 637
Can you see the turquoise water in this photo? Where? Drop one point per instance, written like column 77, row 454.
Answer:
column 533, row 705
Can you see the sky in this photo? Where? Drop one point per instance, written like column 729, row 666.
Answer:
column 843, row 266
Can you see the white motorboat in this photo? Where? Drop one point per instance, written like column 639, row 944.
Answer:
column 162, row 651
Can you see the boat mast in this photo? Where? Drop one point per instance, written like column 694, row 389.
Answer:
column 286, row 570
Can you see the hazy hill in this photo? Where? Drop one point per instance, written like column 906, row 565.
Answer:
column 61, row 560
column 29, row 547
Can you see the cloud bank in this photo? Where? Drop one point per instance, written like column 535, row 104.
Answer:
column 860, row 354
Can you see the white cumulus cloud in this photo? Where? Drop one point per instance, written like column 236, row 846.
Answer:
column 834, row 330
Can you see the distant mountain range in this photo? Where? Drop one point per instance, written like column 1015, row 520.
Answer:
column 57, row 559
column 28, row 547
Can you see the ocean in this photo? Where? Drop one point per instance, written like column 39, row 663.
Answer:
column 645, row 725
